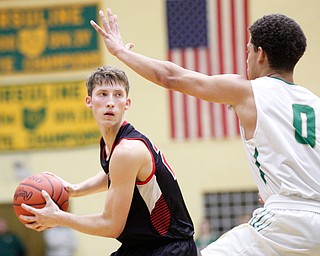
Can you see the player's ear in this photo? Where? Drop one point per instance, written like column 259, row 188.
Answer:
column 128, row 104
column 88, row 100
column 261, row 55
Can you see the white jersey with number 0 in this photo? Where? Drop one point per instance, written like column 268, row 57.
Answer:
column 284, row 153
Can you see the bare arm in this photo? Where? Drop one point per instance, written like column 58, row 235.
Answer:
column 95, row 184
column 228, row 89
column 111, row 222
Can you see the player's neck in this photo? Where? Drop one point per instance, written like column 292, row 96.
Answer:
column 285, row 76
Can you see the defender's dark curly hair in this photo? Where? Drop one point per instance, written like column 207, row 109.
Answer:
column 281, row 38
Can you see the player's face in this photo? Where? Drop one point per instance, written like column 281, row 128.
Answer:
column 108, row 103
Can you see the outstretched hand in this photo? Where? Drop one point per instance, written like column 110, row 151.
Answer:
column 111, row 33
column 43, row 218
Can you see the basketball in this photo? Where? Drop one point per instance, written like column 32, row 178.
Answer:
column 29, row 192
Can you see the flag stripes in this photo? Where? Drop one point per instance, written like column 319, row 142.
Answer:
column 222, row 50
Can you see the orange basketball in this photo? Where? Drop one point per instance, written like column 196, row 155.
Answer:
column 29, row 192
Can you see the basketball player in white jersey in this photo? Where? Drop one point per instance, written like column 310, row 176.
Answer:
column 280, row 127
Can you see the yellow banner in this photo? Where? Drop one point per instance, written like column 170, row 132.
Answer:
column 47, row 115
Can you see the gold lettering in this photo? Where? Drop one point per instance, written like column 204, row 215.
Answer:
column 82, row 37
column 7, row 43
column 13, row 19
column 60, row 40
column 67, row 91
column 16, row 94
column 4, row 20
column 71, row 15
column 6, row 119
column 63, row 61
column 6, row 64
column 70, row 39
column 6, row 142
column 65, row 116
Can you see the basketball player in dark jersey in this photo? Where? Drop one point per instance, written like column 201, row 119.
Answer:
column 144, row 207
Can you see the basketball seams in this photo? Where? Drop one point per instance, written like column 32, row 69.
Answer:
column 33, row 205
column 32, row 186
column 49, row 178
column 52, row 187
column 29, row 192
column 63, row 203
column 61, row 190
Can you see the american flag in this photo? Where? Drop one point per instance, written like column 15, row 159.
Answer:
column 208, row 36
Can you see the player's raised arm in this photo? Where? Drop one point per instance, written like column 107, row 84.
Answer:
column 153, row 70
column 227, row 89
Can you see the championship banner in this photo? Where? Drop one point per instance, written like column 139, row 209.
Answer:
column 49, row 38
column 48, row 115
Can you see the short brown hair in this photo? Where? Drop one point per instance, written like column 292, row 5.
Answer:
column 109, row 75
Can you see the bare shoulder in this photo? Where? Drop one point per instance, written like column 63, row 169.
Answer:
column 127, row 146
column 131, row 158
column 130, row 150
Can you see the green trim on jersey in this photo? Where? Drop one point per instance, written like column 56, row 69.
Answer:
column 262, row 174
column 262, row 221
column 282, row 80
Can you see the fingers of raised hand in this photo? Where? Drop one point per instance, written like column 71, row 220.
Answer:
column 103, row 32
column 105, row 22
column 110, row 17
column 116, row 24
column 97, row 28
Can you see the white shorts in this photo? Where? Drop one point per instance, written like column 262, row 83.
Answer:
column 284, row 227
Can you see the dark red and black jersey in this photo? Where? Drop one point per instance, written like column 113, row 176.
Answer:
column 158, row 214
